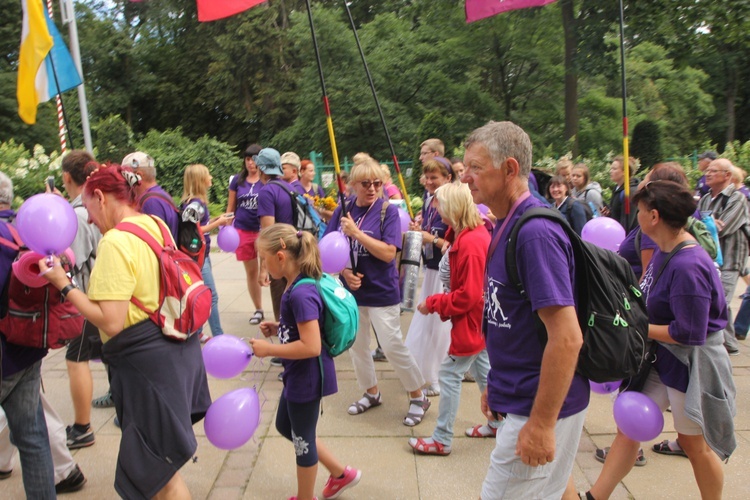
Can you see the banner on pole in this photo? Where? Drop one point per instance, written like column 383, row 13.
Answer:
column 211, row 10
column 479, row 9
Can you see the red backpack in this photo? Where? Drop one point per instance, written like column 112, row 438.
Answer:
column 184, row 300
column 37, row 317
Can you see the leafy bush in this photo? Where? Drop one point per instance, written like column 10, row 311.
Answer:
column 113, row 139
column 28, row 170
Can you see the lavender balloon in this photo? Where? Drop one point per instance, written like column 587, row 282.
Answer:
column 334, row 252
column 604, row 388
column 232, row 419
column 403, row 216
column 225, row 356
column 638, row 417
column 604, row 232
column 47, row 224
column 228, row 239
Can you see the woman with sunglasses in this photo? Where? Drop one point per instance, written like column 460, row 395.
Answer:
column 429, row 338
column 691, row 373
column 375, row 233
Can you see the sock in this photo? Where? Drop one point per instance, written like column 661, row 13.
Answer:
column 82, row 427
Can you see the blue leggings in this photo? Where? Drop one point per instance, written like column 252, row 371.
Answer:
column 297, row 422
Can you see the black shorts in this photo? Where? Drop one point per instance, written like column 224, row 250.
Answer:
column 87, row 346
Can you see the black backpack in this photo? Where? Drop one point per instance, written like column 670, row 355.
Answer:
column 190, row 238
column 586, row 208
column 610, row 306
column 304, row 216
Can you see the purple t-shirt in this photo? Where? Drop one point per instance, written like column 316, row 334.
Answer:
column 302, row 376
column 433, row 224
column 546, row 267
column 380, row 282
column 157, row 204
column 297, row 186
column 688, row 297
column 246, row 213
column 702, row 188
column 204, row 220
column 627, row 249
column 275, row 202
column 315, row 190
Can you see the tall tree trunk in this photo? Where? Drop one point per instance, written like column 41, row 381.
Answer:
column 571, row 74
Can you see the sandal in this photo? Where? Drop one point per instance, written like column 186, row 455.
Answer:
column 359, row 407
column 105, row 401
column 601, row 455
column 257, row 317
column 481, row 431
column 664, row 449
column 428, row 446
column 412, row 418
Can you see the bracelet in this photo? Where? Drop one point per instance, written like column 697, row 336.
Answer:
column 435, row 241
column 66, row 289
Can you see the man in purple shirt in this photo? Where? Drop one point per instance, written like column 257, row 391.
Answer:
column 702, row 188
column 532, row 386
column 152, row 199
column 291, row 165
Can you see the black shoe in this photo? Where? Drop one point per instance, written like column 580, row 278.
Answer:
column 740, row 337
column 733, row 351
column 78, row 439
column 73, row 482
column 275, row 361
column 378, row 355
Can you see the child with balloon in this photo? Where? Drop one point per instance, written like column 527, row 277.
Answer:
column 309, row 371
column 691, row 373
column 196, row 182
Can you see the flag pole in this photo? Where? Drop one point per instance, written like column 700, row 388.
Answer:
column 625, row 145
column 380, row 110
column 62, row 121
column 331, row 135
column 68, row 17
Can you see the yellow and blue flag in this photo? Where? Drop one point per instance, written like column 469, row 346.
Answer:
column 45, row 66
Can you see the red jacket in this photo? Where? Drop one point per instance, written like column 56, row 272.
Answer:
column 464, row 304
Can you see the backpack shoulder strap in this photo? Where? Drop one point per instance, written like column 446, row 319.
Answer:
column 131, row 228
column 669, row 257
column 382, row 216
column 17, row 243
column 637, row 241
column 152, row 194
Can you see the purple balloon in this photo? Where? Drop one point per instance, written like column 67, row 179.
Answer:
column 483, row 209
column 233, row 418
column 334, row 252
column 47, row 223
column 638, row 417
column 604, row 232
column 228, row 239
column 605, row 387
column 403, row 215
column 225, row 356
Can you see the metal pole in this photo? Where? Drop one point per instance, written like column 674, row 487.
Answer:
column 625, row 145
column 69, row 18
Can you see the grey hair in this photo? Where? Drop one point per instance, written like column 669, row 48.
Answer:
column 6, row 190
column 503, row 140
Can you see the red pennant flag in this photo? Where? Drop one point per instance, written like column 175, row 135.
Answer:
column 479, row 9
column 211, row 10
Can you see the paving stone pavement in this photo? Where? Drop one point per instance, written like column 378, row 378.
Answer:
column 375, row 442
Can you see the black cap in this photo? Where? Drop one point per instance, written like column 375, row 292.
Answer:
column 711, row 155
column 252, row 150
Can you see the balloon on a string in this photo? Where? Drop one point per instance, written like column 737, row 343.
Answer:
column 47, row 224
column 232, row 419
column 405, row 220
column 334, row 252
column 228, row 239
column 483, row 209
column 604, row 232
column 638, row 416
column 225, row 356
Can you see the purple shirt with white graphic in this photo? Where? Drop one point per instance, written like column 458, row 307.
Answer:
column 275, row 202
column 380, row 282
column 688, row 297
column 433, row 224
column 546, row 267
column 302, row 376
column 246, row 212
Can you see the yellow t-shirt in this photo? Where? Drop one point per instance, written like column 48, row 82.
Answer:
column 127, row 267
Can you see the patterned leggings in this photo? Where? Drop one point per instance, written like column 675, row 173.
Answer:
column 297, row 422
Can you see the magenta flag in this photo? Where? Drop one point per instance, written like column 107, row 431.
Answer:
column 479, row 9
column 211, row 10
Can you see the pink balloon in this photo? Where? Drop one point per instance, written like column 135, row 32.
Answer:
column 228, row 239
column 604, row 232
column 403, row 215
column 225, row 356
column 47, row 224
column 638, row 417
column 604, row 388
column 334, row 252
column 233, row 418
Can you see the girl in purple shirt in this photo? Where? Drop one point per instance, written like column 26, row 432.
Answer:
column 309, row 371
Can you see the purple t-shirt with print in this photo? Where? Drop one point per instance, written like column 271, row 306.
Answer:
column 156, row 204
column 246, row 213
column 688, row 297
column 380, row 282
column 275, row 202
column 433, row 224
column 546, row 267
column 302, row 376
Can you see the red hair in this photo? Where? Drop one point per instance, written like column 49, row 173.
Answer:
column 109, row 179
column 303, row 164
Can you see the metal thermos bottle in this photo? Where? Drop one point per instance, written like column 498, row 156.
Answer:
column 411, row 254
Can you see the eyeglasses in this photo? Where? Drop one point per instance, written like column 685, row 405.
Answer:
column 714, row 170
column 376, row 184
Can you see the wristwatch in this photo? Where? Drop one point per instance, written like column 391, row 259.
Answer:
column 66, row 289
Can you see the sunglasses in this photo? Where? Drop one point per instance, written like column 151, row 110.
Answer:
column 367, row 184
